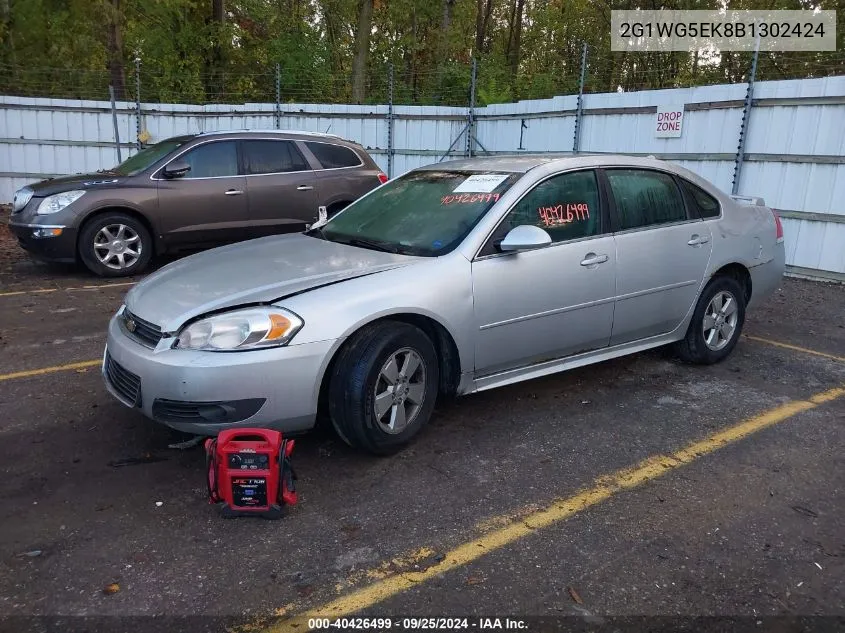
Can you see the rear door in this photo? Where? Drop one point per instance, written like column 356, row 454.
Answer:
column 280, row 184
column 208, row 205
column 662, row 251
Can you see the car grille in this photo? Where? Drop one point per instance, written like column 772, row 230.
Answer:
column 175, row 411
column 123, row 381
column 146, row 333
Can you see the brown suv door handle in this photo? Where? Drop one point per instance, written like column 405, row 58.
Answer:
column 304, row 188
column 233, row 192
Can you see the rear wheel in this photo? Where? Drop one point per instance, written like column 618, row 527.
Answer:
column 716, row 323
column 383, row 386
column 115, row 245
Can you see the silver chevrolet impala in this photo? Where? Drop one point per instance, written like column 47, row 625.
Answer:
column 454, row 278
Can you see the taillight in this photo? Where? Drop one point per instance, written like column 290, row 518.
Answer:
column 778, row 227
column 382, row 177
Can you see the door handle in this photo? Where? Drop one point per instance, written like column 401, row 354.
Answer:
column 698, row 240
column 591, row 259
column 304, row 188
column 233, row 192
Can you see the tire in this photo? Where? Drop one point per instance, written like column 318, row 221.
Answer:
column 360, row 374
column 718, row 343
column 135, row 237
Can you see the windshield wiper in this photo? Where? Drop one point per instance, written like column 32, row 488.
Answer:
column 376, row 246
column 316, row 231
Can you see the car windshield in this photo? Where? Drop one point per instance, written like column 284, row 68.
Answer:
column 146, row 157
column 426, row 212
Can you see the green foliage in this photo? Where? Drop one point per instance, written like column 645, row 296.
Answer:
column 63, row 48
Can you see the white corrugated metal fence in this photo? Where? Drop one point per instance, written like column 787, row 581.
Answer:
column 794, row 151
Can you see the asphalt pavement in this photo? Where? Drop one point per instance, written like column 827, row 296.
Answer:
column 636, row 487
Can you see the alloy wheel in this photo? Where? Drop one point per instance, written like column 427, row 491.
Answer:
column 399, row 390
column 720, row 320
column 117, row 246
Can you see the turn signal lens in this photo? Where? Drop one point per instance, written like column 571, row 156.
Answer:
column 280, row 326
column 47, row 232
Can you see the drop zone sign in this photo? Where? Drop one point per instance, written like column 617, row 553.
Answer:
column 669, row 121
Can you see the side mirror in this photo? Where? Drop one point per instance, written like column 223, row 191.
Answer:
column 176, row 169
column 525, row 237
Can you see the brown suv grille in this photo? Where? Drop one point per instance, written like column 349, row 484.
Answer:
column 146, row 333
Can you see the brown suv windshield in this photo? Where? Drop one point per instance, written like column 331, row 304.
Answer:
column 147, row 157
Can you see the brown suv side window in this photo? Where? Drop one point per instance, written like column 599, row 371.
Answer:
column 272, row 157
column 212, row 160
column 334, row 156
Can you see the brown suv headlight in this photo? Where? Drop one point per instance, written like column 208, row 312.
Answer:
column 57, row 202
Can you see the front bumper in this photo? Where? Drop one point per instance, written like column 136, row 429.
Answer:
column 57, row 249
column 287, row 380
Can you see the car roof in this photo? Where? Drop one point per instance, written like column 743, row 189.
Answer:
column 522, row 163
column 274, row 132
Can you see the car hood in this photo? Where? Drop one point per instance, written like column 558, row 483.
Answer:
column 76, row 181
column 253, row 272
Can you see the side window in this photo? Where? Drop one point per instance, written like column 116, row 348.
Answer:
column 272, row 157
column 334, row 156
column 645, row 198
column 706, row 205
column 215, row 159
column 565, row 206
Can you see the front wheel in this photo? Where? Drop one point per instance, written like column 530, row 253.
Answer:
column 383, row 386
column 716, row 323
column 115, row 245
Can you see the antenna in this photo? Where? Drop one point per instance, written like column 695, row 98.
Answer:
column 328, row 128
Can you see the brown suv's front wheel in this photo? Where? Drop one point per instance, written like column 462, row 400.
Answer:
column 115, row 245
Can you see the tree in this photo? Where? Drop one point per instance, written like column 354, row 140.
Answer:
column 115, row 49
column 362, row 50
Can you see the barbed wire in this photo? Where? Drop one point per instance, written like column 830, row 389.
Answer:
column 447, row 85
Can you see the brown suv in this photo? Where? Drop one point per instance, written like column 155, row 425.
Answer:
column 191, row 192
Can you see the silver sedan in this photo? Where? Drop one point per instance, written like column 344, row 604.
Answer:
column 454, row 278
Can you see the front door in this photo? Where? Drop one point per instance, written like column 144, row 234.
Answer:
column 281, row 187
column 662, row 252
column 544, row 304
column 208, row 205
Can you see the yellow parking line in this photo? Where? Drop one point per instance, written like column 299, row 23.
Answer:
column 794, row 348
column 38, row 291
column 514, row 529
column 49, row 370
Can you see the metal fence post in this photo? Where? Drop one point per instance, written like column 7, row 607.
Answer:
column 746, row 116
column 114, row 123
column 471, row 111
column 138, row 102
column 579, row 110
column 277, row 117
column 390, row 120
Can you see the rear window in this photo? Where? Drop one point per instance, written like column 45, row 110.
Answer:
column 334, row 156
column 703, row 203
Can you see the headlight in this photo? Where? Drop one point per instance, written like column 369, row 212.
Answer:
column 22, row 198
column 57, row 202
column 250, row 328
